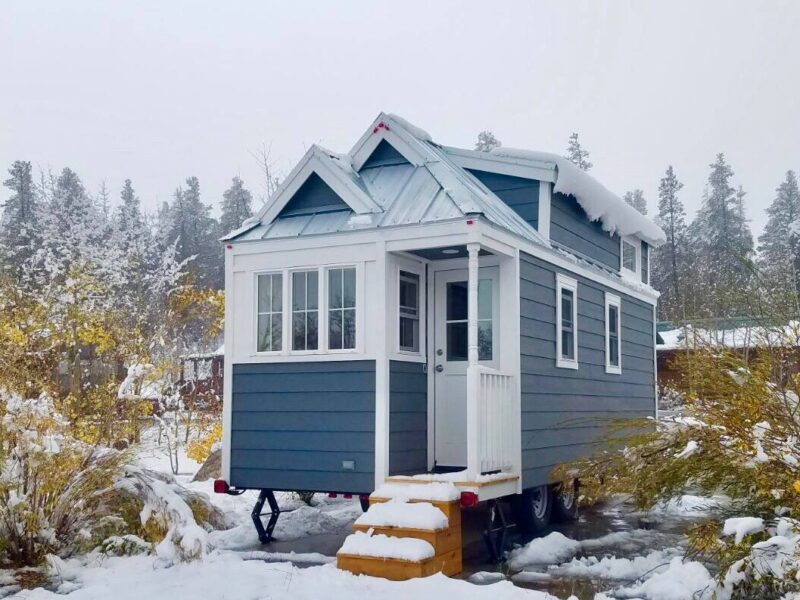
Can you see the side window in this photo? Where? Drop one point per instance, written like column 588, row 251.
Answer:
column 628, row 256
column 645, row 263
column 342, row 309
column 613, row 334
column 269, row 334
column 409, row 312
column 566, row 322
column 305, row 310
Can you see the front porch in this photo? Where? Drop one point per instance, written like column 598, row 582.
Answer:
column 468, row 314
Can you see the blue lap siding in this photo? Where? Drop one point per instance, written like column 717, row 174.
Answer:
column 408, row 418
column 294, row 425
column 564, row 410
column 520, row 194
column 571, row 227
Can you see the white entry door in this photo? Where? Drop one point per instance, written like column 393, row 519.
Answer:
column 450, row 356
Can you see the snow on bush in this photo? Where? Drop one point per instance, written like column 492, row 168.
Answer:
column 739, row 436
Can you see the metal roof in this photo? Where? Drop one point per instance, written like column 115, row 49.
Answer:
column 437, row 190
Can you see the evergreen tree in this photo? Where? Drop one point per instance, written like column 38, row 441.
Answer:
column 779, row 244
column 487, row 141
column 196, row 232
column 576, row 154
column 636, row 200
column 669, row 261
column 723, row 246
column 19, row 226
column 236, row 206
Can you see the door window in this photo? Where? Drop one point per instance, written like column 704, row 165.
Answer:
column 456, row 318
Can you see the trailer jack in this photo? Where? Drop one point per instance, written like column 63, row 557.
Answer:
column 496, row 531
column 265, row 535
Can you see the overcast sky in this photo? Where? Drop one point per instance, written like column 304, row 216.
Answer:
column 157, row 91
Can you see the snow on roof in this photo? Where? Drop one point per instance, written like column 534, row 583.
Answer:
column 752, row 336
column 600, row 204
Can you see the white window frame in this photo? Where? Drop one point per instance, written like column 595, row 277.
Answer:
column 399, row 268
column 359, row 308
column 649, row 260
column 283, row 347
column 637, row 252
column 566, row 283
column 616, row 302
column 288, row 288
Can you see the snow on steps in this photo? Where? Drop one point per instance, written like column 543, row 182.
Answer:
column 402, row 537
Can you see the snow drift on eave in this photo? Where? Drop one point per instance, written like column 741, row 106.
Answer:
column 600, row 204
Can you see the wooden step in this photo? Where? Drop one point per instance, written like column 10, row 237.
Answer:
column 400, row 570
column 451, row 509
column 442, row 540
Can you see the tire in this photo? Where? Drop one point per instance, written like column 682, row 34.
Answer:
column 565, row 501
column 534, row 509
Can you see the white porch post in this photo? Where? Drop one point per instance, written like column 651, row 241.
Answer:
column 473, row 456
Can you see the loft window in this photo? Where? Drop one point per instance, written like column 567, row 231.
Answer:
column 305, row 310
column 409, row 312
column 342, row 309
column 613, row 337
column 566, row 322
column 269, row 335
column 645, row 264
column 628, row 256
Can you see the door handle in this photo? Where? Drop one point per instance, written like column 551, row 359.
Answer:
column 439, row 368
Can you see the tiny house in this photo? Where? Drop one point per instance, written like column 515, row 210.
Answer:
column 410, row 308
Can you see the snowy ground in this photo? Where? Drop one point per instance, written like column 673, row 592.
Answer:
column 609, row 553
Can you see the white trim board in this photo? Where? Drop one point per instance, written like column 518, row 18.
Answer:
column 318, row 160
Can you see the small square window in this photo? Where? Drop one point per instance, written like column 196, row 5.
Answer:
column 342, row 309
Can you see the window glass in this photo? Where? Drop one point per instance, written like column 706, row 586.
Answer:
column 645, row 266
column 305, row 314
column 567, row 325
column 342, row 309
column 613, row 336
column 628, row 256
column 409, row 312
column 457, row 329
column 269, row 313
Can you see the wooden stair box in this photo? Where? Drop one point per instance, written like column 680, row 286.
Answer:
column 451, row 508
column 442, row 540
column 399, row 570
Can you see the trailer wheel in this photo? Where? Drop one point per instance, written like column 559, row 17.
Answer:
column 565, row 501
column 534, row 509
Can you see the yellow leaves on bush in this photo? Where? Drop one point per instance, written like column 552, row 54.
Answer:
column 193, row 304
column 200, row 449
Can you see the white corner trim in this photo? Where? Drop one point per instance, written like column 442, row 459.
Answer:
column 317, row 161
column 613, row 300
column 227, row 378
column 382, row 408
column 543, row 221
column 566, row 283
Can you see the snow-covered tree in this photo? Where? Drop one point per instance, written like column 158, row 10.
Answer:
column 189, row 222
column 723, row 247
column 236, row 206
column 576, row 154
column 669, row 261
column 487, row 141
column 779, row 244
column 636, row 200
column 19, row 225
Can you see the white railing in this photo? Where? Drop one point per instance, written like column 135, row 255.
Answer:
column 490, row 420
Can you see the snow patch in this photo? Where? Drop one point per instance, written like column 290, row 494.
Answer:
column 553, row 548
column 384, row 546
column 681, row 580
column 417, row 132
column 692, row 447
column 434, row 491
column 399, row 513
column 742, row 527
